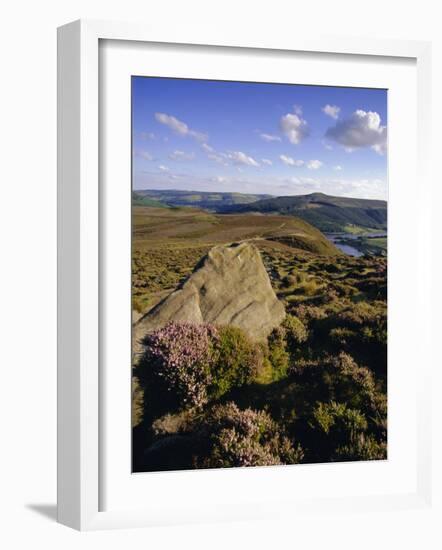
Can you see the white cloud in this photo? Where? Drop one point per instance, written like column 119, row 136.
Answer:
column 219, row 179
column 163, row 168
column 361, row 129
column 207, row 148
column 267, row 161
column 331, row 110
column 240, row 158
column 179, row 127
column 269, row 137
column 359, row 188
column 220, row 158
column 289, row 161
column 145, row 155
column 181, row 155
column 380, row 148
column 338, row 168
column 147, row 136
column 215, row 156
column 314, row 164
column 294, row 127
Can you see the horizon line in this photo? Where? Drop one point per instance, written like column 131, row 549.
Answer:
column 260, row 194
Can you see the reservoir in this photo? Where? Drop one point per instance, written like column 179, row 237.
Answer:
column 340, row 240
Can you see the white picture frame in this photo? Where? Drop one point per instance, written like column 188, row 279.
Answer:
column 79, row 264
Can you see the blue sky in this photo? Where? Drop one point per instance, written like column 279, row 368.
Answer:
column 281, row 139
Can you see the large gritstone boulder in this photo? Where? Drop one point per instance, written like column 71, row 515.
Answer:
column 229, row 286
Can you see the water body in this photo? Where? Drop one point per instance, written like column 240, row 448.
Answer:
column 346, row 248
column 337, row 240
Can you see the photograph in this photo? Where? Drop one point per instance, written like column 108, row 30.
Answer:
column 258, row 273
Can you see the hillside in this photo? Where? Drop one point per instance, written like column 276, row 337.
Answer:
column 192, row 226
column 139, row 200
column 168, row 242
column 201, row 199
column 320, row 376
column 325, row 212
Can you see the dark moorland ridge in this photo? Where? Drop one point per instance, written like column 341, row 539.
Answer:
column 327, row 213
column 202, row 199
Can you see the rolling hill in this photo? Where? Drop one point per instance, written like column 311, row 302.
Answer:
column 327, row 213
column 202, row 199
column 139, row 200
column 186, row 227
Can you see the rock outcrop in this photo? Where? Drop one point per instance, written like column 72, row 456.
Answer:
column 229, row 286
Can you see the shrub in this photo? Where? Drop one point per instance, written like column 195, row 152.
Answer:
column 342, row 413
column 289, row 281
column 177, row 361
column 137, row 402
column 340, row 430
column 236, row 360
column 364, row 448
column 338, row 420
column 347, row 382
column 296, row 333
column 342, row 336
column 277, row 354
column 247, row 437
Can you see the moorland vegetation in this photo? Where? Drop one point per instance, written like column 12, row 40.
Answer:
column 314, row 390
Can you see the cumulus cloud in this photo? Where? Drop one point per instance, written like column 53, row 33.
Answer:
column 338, row 168
column 361, row 129
column 179, row 127
column 314, row 164
column 240, row 158
column 289, row 161
column 163, row 168
column 145, row 155
column 269, row 137
column 331, row 110
column 294, row 127
column 181, row 155
column 267, row 161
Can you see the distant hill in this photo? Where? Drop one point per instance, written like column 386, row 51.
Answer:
column 139, row 200
column 325, row 212
column 215, row 201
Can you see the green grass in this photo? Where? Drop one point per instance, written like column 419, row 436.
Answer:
column 358, row 230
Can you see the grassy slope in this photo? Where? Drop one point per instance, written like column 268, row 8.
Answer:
column 168, row 242
column 323, row 211
column 190, row 227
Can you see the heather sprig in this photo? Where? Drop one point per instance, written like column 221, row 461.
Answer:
column 180, row 354
column 245, row 438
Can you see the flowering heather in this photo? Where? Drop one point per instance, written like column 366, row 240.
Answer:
column 181, row 355
column 246, row 438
